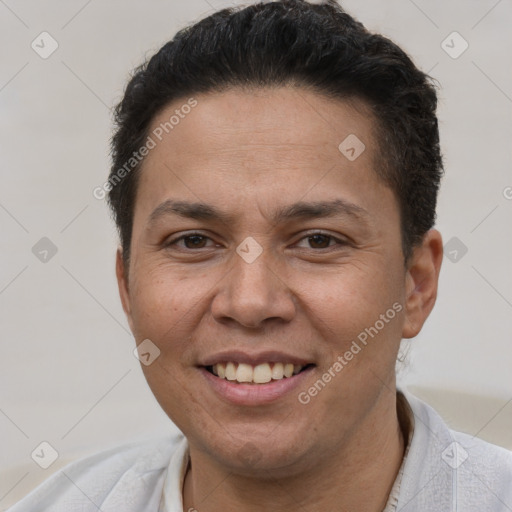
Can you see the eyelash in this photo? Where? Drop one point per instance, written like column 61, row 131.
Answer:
column 339, row 241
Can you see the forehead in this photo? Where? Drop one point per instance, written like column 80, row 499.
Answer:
column 266, row 143
column 282, row 117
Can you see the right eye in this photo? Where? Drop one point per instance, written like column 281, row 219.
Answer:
column 191, row 241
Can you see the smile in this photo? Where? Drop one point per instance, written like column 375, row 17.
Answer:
column 255, row 374
column 249, row 378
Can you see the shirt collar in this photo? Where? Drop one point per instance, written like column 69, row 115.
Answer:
column 406, row 420
column 172, row 494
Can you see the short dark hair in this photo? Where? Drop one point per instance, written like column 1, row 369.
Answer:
column 291, row 42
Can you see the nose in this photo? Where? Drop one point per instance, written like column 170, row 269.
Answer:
column 253, row 294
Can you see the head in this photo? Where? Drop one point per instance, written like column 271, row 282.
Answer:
column 280, row 168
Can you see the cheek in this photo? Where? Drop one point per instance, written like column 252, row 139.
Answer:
column 170, row 306
column 165, row 305
column 359, row 316
column 351, row 297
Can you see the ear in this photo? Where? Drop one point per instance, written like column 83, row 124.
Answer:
column 421, row 281
column 122, row 284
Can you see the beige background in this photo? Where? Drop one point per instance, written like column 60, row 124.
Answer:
column 68, row 375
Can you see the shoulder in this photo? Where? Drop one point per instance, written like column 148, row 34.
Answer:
column 430, row 424
column 446, row 469
column 488, row 466
column 125, row 475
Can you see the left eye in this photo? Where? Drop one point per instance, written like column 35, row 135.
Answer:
column 321, row 240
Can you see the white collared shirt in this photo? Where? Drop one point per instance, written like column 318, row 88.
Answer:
column 442, row 471
column 172, row 498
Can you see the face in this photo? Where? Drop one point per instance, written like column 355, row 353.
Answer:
column 258, row 244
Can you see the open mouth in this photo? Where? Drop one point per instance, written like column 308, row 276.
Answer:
column 256, row 374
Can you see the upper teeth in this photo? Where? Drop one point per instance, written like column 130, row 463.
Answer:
column 259, row 374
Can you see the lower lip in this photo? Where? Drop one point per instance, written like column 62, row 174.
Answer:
column 255, row 394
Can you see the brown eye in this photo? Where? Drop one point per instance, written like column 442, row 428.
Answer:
column 190, row 241
column 319, row 241
column 194, row 241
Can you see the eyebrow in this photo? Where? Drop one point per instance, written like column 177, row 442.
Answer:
column 299, row 210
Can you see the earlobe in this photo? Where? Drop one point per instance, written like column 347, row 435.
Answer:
column 421, row 283
column 122, row 283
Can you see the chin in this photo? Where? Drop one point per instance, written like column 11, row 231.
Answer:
column 254, row 455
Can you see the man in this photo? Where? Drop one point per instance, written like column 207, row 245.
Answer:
column 274, row 184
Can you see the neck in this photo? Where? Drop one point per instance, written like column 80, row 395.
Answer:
column 358, row 475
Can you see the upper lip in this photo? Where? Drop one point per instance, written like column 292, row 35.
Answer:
column 239, row 356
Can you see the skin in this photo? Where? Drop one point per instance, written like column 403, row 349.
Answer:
column 249, row 153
